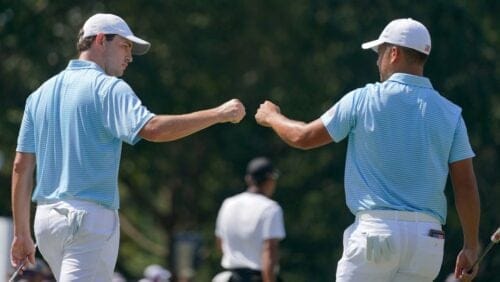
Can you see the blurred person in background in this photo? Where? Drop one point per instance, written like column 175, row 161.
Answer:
column 250, row 226
column 156, row 273
column 404, row 138
column 118, row 277
column 71, row 135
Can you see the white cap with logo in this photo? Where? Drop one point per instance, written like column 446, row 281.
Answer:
column 403, row 32
column 112, row 24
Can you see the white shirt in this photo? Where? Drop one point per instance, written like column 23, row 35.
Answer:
column 244, row 222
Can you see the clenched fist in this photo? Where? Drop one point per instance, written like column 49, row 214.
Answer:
column 232, row 111
column 265, row 113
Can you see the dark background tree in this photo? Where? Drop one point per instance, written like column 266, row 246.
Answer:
column 304, row 55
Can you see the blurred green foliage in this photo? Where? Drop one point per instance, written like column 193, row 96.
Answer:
column 303, row 55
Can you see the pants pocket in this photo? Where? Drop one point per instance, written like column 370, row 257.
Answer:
column 50, row 226
column 74, row 220
column 428, row 256
column 350, row 244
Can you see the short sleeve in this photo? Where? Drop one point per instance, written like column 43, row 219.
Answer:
column 340, row 118
column 123, row 112
column 460, row 148
column 272, row 223
column 26, row 137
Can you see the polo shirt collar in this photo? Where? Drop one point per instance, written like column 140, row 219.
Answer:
column 410, row 79
column 83, row 64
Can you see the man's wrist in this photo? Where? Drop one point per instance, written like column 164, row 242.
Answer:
column 474, row 245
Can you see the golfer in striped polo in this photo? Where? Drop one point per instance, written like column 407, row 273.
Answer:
column 72, row 132
column 404, row 138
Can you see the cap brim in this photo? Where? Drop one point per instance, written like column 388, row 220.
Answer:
column 372, row 44
column 140, row 46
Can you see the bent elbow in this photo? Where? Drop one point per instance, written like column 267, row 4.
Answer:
column 301, row 142
column 309, row 140
column 303, row 146
column 23, row 162
column 18, row 167
column 150, row 131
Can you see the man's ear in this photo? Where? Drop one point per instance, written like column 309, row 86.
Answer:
column 100, row 38
column 248, row 180
column 395, row 54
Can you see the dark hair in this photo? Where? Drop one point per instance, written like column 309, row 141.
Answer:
column 413, row 56
column 84, row 43
column 261, row 169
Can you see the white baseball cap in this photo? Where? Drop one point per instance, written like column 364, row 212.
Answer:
column 403, row 32
column 112, row 24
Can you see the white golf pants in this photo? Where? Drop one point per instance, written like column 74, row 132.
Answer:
column 78, row 239
column 385, row 246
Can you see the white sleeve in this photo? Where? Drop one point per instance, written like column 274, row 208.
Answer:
column 272, row 223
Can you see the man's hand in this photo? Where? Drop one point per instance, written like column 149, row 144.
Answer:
column 232, row 111
column 265, row 113
column 465, row 259
column 22, row 249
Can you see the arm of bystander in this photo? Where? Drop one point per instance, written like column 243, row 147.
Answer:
column 270, row 259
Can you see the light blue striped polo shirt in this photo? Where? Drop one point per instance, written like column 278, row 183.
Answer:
column 402, row 136
column 75, row 123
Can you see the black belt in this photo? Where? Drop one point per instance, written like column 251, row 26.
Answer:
column 245, row 275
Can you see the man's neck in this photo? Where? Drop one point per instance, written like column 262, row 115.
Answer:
column 254, row 189
column 413, row 69
column 89, row 56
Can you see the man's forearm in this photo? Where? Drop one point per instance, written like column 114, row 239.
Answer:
column 270, row 260
column 22, row 186
column 164, row 128
column 468, row 209
column 290, row 131
column 299, row 134
column 268, row 274
column 467, row 200
column 295, row 133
